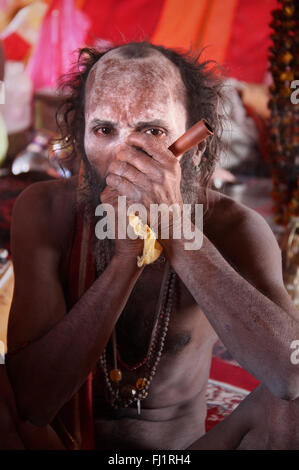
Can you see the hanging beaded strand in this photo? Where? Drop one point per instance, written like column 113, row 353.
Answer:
column 284, row 119
column 149, row 364
column 126, row 395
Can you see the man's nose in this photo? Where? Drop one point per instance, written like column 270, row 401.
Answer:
column 119, row 149
column 123, row 145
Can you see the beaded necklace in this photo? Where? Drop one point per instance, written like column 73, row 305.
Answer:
column 283, row 129
column 125, row 395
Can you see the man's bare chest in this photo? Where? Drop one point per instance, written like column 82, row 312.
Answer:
column 182, row 371
column 143, row 314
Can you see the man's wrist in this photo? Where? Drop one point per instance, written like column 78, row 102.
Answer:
column 128, row 262
column 187, row 237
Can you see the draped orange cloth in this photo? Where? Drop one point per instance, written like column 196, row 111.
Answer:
column 236, row 32
column 195, row 24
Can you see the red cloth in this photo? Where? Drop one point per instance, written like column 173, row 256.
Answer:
column 228, row 385
column 247, row 52
column 15, row 47
column 223, row 371
column 120, row 21
column 236, row 32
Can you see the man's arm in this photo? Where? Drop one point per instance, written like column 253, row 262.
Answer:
column 62, row 348
column 9, row 437
column 260, row 422
column 257, row 328
column 241, row 291
column 229, row 433
column 16, row 434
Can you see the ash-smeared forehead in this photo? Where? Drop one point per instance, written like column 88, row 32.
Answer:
column 132, row 69
column 148, row 60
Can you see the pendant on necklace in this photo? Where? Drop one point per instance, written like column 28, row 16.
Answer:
column 128, row 391
column 141, row 383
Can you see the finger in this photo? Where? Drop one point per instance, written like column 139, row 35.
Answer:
column 123, row 187
column 141, row 162
column 129, row 172
column 153, row 147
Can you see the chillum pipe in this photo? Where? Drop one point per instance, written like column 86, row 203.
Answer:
column 193, row 136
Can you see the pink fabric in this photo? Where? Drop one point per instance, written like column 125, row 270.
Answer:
column 63, row 31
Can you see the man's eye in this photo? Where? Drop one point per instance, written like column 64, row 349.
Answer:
column 103, row 130
column 155, row 132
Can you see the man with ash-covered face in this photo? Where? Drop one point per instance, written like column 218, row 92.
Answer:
column 150, row 368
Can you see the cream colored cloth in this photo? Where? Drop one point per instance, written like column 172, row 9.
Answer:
column 3, row 140
column 6, row 293
column 151, row 248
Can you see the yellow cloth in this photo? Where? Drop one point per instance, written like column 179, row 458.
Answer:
column 6, row 293
column 3, row 139
column 151, row 248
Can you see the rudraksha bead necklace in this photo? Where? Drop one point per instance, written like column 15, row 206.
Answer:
column 124, row 395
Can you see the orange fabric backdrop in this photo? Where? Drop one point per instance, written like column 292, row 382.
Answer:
column 196, row 24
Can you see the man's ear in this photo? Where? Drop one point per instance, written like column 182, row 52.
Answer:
column 200, row 150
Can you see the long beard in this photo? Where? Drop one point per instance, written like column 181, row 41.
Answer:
column 90, row 189
column 89, row 197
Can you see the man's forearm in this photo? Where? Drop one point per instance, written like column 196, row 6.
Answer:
column 256, row 331
column 47, row 372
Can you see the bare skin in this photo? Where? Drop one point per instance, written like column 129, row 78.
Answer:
column 257, row 320
column 16, row 434
column 261, row 422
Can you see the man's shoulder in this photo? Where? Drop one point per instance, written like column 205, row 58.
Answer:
column 46, row 197
column 230, row 214
column 243, row 237
column 46, row 206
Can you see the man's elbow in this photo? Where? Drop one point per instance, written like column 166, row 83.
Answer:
column 29, row 409
column 34, row 411
column 29, row 406
column 39, row 419
column 292, row 388
column 286, row 386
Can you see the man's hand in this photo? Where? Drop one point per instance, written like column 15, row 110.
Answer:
column 146, row 173
column 261, row 422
